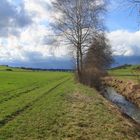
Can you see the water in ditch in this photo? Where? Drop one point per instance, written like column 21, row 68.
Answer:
column 126, row 106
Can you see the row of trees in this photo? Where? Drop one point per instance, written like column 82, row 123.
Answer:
column 81, row 24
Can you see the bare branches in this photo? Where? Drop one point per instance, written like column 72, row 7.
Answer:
column 79, row 22
column 97, row 59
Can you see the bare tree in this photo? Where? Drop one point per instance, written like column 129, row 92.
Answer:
column 79, row 21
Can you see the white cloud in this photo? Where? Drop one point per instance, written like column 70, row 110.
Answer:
column 26, row 44
column 12, row 18
column 124, row 42
column 40, row 9
column 25, row 39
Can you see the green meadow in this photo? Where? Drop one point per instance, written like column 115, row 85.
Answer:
column 36, row 105
column 128, row 72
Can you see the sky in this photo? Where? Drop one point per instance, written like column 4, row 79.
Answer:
column 24, row 31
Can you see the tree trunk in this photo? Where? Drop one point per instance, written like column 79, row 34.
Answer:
column 78, row 64
column 81, row 60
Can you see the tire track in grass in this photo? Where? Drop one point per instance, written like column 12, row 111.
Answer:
column 18, row 94
column 12, row 116
column 17, row 103
column 23, row 89
column 20, row 88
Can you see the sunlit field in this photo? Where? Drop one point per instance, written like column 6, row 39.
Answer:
column 52, row 106
column 128, row 72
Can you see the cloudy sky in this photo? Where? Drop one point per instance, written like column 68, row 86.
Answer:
column 24, row 27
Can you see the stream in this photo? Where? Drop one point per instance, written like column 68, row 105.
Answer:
column 126, row 106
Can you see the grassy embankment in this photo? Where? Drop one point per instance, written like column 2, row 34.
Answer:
column 51, row 106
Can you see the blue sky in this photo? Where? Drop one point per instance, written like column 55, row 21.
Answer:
column 24, row 29
column 122, row 16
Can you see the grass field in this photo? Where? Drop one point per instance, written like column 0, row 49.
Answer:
column 127, row 72
column 52, row 106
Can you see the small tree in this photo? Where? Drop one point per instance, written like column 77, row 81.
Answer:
column 97, row 60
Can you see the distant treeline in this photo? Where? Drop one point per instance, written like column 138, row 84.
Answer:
column 122, row 66
column 39, row 69
column 9, row 68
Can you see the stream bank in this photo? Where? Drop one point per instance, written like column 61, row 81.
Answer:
column 125, row 106
column 130, row 90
